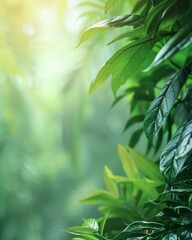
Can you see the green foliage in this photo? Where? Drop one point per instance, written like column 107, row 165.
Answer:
column 154, row 66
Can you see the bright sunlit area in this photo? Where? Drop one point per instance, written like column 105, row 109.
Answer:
column 55, row 138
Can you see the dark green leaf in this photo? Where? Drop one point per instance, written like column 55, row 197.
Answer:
column 179, row 41
column 133, row 120
column 143, row 225
column 170, row 236
column 163, row 104
column 175, row 154
column 155, row 2
column 174, row 13
column 135, row 138
column 154, row 17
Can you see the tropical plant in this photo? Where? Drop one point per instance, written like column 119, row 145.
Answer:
column 154, row 66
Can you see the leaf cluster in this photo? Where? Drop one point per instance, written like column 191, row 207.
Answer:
column 154, row 66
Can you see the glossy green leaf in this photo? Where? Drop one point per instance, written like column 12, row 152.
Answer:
column 170, row 236
column 165, row 101
column 178, row 42
column 143, row 225
column 119, row 21
column 175, row 154
column 124, row 63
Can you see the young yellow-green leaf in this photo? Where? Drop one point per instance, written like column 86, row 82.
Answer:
column 109, row 181
column 109, row 4
column 146, row 166
column 118, row 21
column 128, row 163
column 124, row 63
column 162, row 105
column 100, row 197
column 174, row 155
column 178, row 42
column 135, row 33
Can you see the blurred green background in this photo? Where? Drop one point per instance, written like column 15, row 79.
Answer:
column 54, row 137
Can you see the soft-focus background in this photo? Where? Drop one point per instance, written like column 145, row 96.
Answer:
column 54, row 137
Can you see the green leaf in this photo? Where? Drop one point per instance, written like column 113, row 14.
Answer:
column 178, row 42
column 118, row 21
column 174, row 155
column 100, row 197
column 143, row 225
column 81, row 230
column 135, row 33
column 135, row 137
column 91, row 223
column 124, row 63
column 133, row 120
column 146, row 166
column 162, row 105
column 170, row 236
column 155, row 2
column 174, row 13
column 154, row 17
column 109, row 181
column 128, row 163
column 109, row 4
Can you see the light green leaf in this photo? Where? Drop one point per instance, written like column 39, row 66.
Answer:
column 109, row 4
column 146, row 166
column 128, row 163
column 91, row 223
column 162, row 105
column 100, row 197
column 178, row 42
column 80, row 230
column 135, row 33
column 174, row 155
column 124, row 63
column 118, row 21
column 109, row 181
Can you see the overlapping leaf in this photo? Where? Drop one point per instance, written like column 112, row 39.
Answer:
column 163, row 104
column 175, row 155
column 179, row 41
column 118, row 21
column 124, row 63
